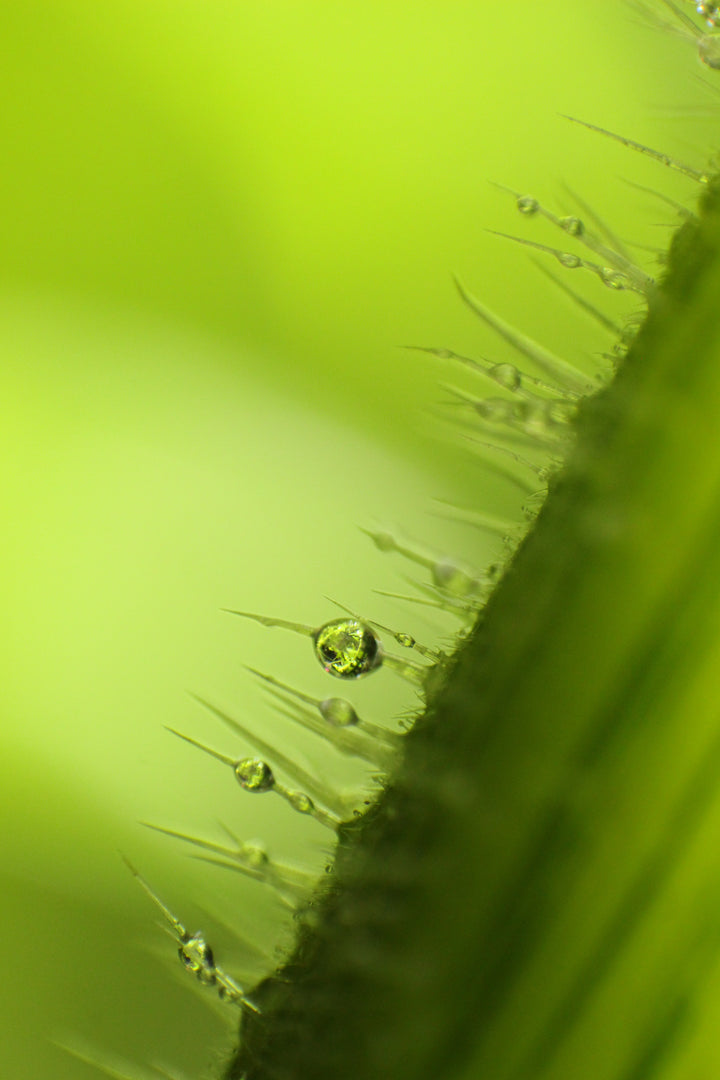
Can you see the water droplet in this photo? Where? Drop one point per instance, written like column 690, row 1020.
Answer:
column 253, row 774
column 527, row 205
column 709, row 50
column 405, row 640
column 338, row 711
column 573, row 226
column 197, row 956
column 384, row 541
column 254, row 855
column 495, row 409
column 506, row 375
column 571, row 262
column 347, row 648
column 709, row 12
column 448, row 575
column 300, row 802
column 614, row 279
column 532, row 415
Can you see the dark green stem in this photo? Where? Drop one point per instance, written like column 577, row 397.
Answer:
column 532, row 896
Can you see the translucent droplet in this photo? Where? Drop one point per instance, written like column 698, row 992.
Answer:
column 197, row 956
column 494, row 409
column 384, row 541
column 300, row 802
column 448, row 575
column 709, row 50
column 406, row 640
column 571, row 262
column 614, row 279
column 532, row 415
column 709, row 12
column 338, row 711
column 573, row 226
column 253, row 774
column 347, row 648
column 527, row 205
column 254, row 855
column 506, row 375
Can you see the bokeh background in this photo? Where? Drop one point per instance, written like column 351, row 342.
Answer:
column 221, row 222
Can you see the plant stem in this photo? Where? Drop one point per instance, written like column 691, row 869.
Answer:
column 536, row 891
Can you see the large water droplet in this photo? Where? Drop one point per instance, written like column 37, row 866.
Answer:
column 338, row 711
column 347, row 648
column 254, row 774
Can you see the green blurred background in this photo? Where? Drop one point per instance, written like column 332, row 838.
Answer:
column 220, row 224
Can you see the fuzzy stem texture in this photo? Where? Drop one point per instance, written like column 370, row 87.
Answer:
column 535, row 893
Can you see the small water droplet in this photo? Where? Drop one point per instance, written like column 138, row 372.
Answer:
column 709, row 12
column 405, row 640
column 495, row 409
column 532, row 415
column 566, row 259
column 709, row 50
column 253, row 774
column 385, row 541
column 614, row 279
column 448, row 575
column 506, row 375
column 527, row 205
column 347, row 648
column 338, row 711
column 254, row 855
column 300, row 802
column 197, row 956
column 573, row 225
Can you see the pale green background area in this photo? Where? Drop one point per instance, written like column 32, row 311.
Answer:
column 221, row 222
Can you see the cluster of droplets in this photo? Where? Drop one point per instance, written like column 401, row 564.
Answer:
column 617, row 271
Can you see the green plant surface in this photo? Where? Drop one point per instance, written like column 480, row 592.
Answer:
column 536, row 893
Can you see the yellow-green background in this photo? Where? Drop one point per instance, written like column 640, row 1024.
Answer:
column 219, row 222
